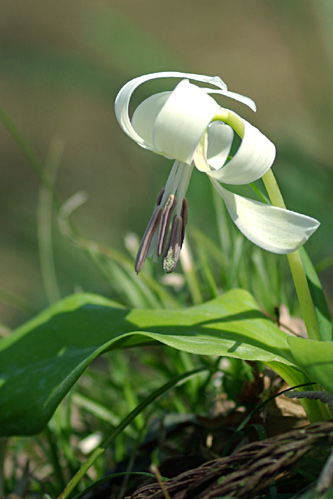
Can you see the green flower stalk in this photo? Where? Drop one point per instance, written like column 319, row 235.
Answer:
column 294, row 258
column 296, row 266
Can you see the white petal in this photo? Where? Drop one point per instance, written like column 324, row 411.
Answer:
column 233, row 95
column 124, row 96
column 220, row 137
column 145, row 115
column 254, row 157
column 182, row 121
column 273, row 229
column 214, row 147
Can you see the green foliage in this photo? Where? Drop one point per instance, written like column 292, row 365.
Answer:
column 41, row 361
column 318, row 297
column 97, row 49
column 316, row 358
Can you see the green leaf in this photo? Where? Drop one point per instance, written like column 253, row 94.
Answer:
column 316, row 358
column 42, row 360
column 318, row 297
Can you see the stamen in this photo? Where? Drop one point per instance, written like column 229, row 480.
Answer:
column 159, row 197
column 165, row 221
column 147, row 237
column 170, row 199
column 184, row 215
column 171, row 257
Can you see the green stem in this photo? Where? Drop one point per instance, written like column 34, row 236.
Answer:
column 231, row 119
column 295, row 262
column 44, row 224
column 314, row 410
column 296, row 266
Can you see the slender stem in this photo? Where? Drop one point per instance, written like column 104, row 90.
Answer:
column 296, row 266
column 273, row 189
column 44, row 224
column 231, row 119
column 295, row 262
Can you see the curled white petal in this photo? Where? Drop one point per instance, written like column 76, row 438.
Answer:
column 124, row 96
column 274, row 229
column 253, row 159
column 172, row 123
column 182, row 121
column 233, row 95
column 144, row 116
column 214, row 147
column 219, row 140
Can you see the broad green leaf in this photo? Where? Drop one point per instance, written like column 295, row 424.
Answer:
column 318, row 297
column 316, row 358
column 41, row 361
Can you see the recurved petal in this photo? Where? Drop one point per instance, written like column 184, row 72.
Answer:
column 233, row 95
column 124, row 96
column 144, row 116
column 219, row 138
column 182, row 121
column 274, row 229
column 214, row 147
column 254, row 157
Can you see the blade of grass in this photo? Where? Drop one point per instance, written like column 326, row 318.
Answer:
column 223, row 225
column 318, row 297
column 54, row 456
column 44, row 223
column 102, row 257
column 248, row 418
column 235, row 261
column 190, row 272
column 209, row 247
column 207, row 273
column 100, row 411
column 324, row 264
column 28, row 152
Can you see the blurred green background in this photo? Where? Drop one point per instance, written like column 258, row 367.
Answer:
column 62, row 64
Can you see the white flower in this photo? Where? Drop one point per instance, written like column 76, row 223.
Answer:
column 190, row 127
